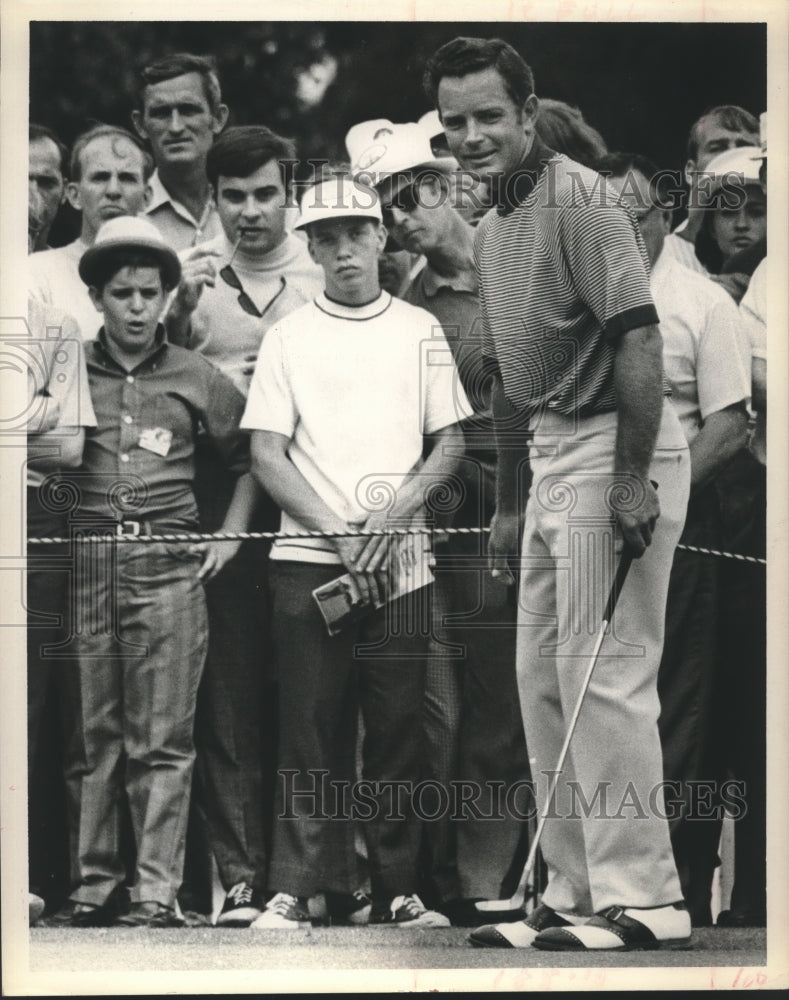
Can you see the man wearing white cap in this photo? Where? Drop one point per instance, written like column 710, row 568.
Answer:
column 344, row 395
column 473, row 727
column 138, row 679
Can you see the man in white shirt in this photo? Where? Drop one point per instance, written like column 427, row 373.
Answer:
column 706, row 362
column 720, row 128
column 109, row 174
column 180, row 113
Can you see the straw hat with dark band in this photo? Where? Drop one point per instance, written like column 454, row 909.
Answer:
column 128, row 232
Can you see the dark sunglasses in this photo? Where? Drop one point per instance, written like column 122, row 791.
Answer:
column 229, row 276
column 406, row 199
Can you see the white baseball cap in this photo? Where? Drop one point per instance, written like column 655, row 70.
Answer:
column 339, row 197
column 736, row 166
column 364, row 135
column 393, row 159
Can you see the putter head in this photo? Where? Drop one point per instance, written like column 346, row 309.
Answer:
column 504, row 911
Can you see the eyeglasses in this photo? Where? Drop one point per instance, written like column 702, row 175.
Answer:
column 229, row 276
column 406, row 199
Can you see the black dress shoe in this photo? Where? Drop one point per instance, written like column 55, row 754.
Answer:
column 741, row 918
column 73, row 914
column 149, row 914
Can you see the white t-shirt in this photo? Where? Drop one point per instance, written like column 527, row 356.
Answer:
column 55, row 282
column 705, row 351
column 354, row 388
column 753, row 310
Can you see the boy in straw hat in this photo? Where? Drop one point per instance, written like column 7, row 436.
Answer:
column 138, row 675
column 344, row 397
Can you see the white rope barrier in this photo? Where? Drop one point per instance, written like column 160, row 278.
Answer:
column 243, row 536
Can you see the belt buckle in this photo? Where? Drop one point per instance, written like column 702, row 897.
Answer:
column 132, row 526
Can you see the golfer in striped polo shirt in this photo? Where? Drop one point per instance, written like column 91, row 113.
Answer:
column 572, row 335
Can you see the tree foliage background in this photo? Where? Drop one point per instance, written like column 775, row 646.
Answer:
column 640, row 85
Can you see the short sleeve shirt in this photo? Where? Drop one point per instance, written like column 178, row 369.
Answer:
column 563, row 274
column 354, row 389
column 703, row 344
column 139, row 460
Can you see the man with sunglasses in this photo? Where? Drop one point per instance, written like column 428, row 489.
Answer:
column 233, row 289
column 704, row 355
column 473, row 730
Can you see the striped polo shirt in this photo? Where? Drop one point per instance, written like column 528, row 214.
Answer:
column 563, row 273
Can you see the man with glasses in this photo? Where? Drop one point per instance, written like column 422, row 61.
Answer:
column 704, row 356
column 233, row 289
column 473, row 729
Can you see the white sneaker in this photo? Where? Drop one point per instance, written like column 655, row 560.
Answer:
column 408, row 911
column 283, row 912
column 35, row 907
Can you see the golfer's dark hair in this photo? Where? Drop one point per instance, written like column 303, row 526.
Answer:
column 179, row 64
column 563, row 128
column 101, row 131
column 243, row 149
column 108, row 265
column 729, row 116
column 36, row 132
column 462, row 56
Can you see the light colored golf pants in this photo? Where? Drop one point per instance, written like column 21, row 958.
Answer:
column 607, row 840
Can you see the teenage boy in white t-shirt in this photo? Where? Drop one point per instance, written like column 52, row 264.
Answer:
column 345, row 392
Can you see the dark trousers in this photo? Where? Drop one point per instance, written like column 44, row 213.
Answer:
column 376, row 666
column 741, row 737
column 686, row 685
column 472, row 723
column 235, row 718
column 50, row 700
column 235, row 725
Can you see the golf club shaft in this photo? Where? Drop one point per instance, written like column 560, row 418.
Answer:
column 625, row 560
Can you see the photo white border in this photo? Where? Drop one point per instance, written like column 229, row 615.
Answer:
column 14, row 57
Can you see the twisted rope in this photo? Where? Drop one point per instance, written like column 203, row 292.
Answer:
column 243, row 536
